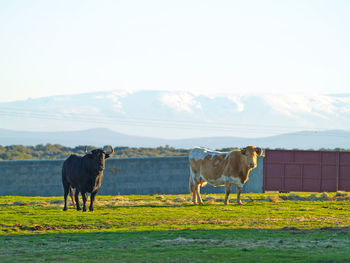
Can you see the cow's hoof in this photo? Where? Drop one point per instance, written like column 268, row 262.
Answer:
column 84, row 209
column 78, row 208
column 226, row 203
column 91, row 210
column 65, row 209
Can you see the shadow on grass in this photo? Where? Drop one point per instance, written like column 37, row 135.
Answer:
column 215, row 233
column 288, row 244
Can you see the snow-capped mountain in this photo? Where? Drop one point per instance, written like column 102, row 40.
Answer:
column 175, row 115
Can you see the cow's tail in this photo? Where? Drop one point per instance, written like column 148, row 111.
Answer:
column 71, row 195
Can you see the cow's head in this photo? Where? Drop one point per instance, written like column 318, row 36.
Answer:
column 98, row 158
column 251, row 153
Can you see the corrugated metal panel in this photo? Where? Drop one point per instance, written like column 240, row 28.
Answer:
column 306, row 171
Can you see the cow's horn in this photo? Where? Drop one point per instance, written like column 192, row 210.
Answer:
column 86, row 149
column 112, row 150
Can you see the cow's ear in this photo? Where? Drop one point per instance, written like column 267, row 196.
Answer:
column 243, row 151
column 107, row 155
column 258, row 151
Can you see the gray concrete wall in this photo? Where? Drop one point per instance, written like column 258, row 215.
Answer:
column 158, row 175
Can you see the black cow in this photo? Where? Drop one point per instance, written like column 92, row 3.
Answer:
column 85, row 174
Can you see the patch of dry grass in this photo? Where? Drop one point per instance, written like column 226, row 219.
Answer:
column 178, row 200
column 274, row 199
column 342, row 196
column 262, row 243
column 339, row 196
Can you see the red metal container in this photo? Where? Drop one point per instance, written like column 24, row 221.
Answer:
column 306, row 171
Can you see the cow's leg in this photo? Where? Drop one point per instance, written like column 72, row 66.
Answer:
column 198, row 191
column 72, row 195
column 239, row 190
column 66, row 187
column 83, row 195
column 92, row 199
column 194, row 194
column 227, row 192
column 192, row 190
column 77, row 199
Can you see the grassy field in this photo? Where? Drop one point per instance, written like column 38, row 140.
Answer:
column 270, row 227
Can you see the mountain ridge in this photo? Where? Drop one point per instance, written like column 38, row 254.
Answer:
column 170, row 115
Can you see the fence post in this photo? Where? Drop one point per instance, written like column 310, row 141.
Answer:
column 337, row 171
column 302, row 177
column 321, row 179
column 284, row 178
column 264, row 172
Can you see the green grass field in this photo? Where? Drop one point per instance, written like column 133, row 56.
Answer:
column 270, row 227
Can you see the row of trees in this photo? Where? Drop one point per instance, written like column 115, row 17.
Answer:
column 56, row 151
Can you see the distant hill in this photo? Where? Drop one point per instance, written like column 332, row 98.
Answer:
column 175, row 115
column 99, row 137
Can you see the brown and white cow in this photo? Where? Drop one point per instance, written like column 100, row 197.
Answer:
column 221, row 168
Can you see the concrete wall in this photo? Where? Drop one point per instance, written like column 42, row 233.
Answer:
column 158, row 175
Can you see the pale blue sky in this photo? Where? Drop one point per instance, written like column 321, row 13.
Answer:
column 68, row 47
